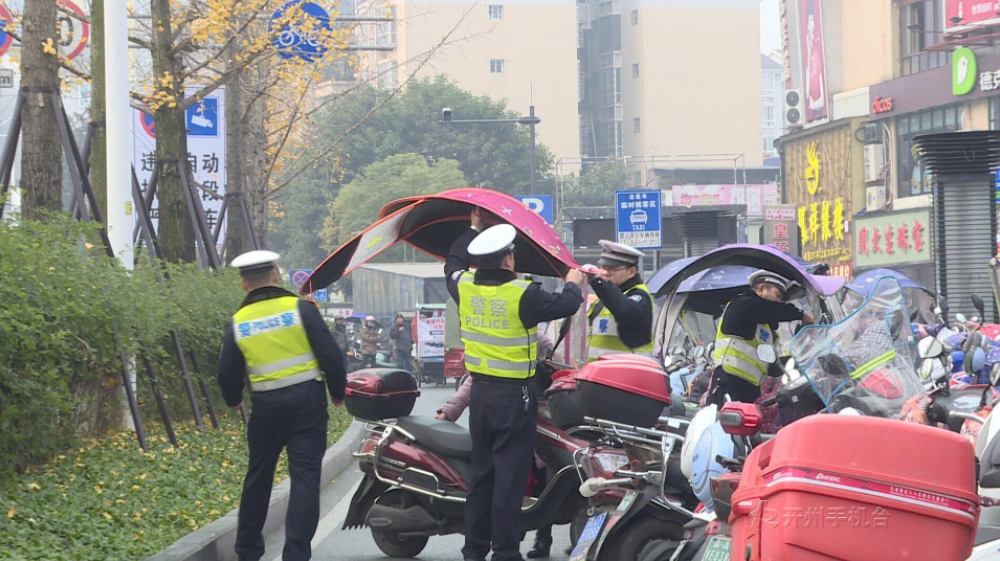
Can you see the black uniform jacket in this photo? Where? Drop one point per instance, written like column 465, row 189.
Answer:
column 633, row 313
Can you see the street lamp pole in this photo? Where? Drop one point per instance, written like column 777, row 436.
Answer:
column 531, row 120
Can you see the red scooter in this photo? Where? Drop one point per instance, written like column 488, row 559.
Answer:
column 418, row 469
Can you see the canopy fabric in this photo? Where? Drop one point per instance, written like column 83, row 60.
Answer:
column 863, row 282
column 432, row 223
column 757, row 257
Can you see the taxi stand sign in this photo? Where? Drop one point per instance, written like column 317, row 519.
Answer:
column 639, row 218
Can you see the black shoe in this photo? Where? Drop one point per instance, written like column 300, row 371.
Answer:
column 540, row 550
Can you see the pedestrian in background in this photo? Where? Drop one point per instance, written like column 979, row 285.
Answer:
column 400, row 333
column 369, row 342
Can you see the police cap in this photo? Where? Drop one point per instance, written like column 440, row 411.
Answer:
column 493, row 243
column 761, row 276
column 256, row 261
column 617, row 254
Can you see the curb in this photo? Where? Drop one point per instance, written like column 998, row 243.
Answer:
column 215, row 541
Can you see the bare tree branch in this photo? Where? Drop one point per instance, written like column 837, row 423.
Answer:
column 325, row 152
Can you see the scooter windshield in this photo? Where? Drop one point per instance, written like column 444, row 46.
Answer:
column 865, row 361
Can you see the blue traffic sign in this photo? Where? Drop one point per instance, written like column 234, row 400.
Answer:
column 639, row 218
column 292, row 41
column 540, row 204
column 298, row 277
column 321, row 295
column 203, row 118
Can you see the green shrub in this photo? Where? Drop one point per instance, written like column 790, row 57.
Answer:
column 65, row 310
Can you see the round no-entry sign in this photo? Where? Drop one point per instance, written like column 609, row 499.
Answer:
column 73, row 33
column 6, row 19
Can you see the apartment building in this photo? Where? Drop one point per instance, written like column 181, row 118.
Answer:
column 772, row 104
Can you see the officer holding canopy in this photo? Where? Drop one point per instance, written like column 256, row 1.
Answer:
column 499, row 315
column 621, row 321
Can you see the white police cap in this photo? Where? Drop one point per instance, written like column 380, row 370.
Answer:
column 493, row 241
column 255, row 261
column 618, row 254
column 761, row 275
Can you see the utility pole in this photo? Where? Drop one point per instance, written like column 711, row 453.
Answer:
column 118, row 113
column 532, row 121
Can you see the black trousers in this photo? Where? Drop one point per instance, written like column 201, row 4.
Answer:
column 369, row 360
column 738, row 389
column 304, row 435
column 503, row 443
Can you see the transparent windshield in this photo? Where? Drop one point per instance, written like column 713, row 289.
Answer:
column 696, row 329
column 865, row 361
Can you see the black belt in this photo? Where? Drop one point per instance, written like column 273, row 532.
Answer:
column 487, row 379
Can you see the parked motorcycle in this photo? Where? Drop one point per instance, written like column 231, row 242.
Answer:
column 418, row 469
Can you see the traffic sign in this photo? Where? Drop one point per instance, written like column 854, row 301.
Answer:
column 6, row 19
column 292, row 41
column 74, row 32
column 6, row 78
column 321, row 295
column 540, row 204
column 203, row 118
column 639, row 218
column 298, row 277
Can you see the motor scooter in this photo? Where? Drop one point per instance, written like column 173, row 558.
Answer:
column 418, row 471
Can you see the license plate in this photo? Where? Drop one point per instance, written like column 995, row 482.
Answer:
column 587, row 538
column 717, row 550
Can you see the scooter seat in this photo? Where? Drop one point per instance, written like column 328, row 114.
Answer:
column 444, row 437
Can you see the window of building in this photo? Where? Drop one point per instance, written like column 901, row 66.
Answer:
column 767, row 117
column 921, row 25
column 635, row 17
column 768, row 144
column 637, row 179
column 635, row 70
column 388, row 75
column 635, row 125
column 496, row 11
column 496, row 66
column 912, row 180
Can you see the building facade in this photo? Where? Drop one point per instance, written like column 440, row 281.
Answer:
column 772, row 105
column 518, row 50
column 655, row 92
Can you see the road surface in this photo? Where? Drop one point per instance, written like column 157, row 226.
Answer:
column 332, row 543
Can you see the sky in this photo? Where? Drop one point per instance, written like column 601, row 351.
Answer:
column 770, row 26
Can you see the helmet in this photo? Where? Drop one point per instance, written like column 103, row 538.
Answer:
column 370, row 318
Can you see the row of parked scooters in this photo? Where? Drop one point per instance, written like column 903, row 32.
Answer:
column 641, row 471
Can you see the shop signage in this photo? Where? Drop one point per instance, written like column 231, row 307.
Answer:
column 882, row 105
column 755, row 197
column 963, row 71
column 819, row 179
column 780, row 228
column 892, row 239
column 965, row 12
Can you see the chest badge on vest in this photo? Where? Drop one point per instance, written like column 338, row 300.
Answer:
column 636, row 298
column 763, row 335
column 602, row 326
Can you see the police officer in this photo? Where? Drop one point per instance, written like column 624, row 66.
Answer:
column 621, row 320
column 281, row 344
column 749, row 321
column 499, row 316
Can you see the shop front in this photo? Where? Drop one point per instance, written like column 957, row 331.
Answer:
column 821, row 170
column 896, row 240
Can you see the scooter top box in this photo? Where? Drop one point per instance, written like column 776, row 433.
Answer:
column 376, row 394
column 862, row 488
column 624, row 391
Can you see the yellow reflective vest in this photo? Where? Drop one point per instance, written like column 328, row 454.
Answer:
column 273, row 341
column 496, row 342
column 603, row 338
column 738, row 357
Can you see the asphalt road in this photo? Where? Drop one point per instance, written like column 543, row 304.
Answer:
column 332, row 543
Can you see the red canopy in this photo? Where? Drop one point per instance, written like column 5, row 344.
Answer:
column 432, row 223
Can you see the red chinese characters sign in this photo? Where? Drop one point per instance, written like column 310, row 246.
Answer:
column 966, row 12
column 901, row 237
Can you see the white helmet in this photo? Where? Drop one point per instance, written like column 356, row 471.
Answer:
column 761, row 275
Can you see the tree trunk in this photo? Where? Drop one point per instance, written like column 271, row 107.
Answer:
column 255, row 163
column 236, row 235
column 175, row 229
column 98, row 142
column 41, row 151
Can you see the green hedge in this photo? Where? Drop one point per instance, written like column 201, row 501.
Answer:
column 65, row 308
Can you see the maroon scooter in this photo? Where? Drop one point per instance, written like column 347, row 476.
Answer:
column 418, row 469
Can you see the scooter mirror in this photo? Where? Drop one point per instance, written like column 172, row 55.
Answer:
column 926, row 369
column 766, row 354
column 667, row 361
column 698, row 352
column 977, row 301
column 709, row 349
column 960, row 318
column 929, row 347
